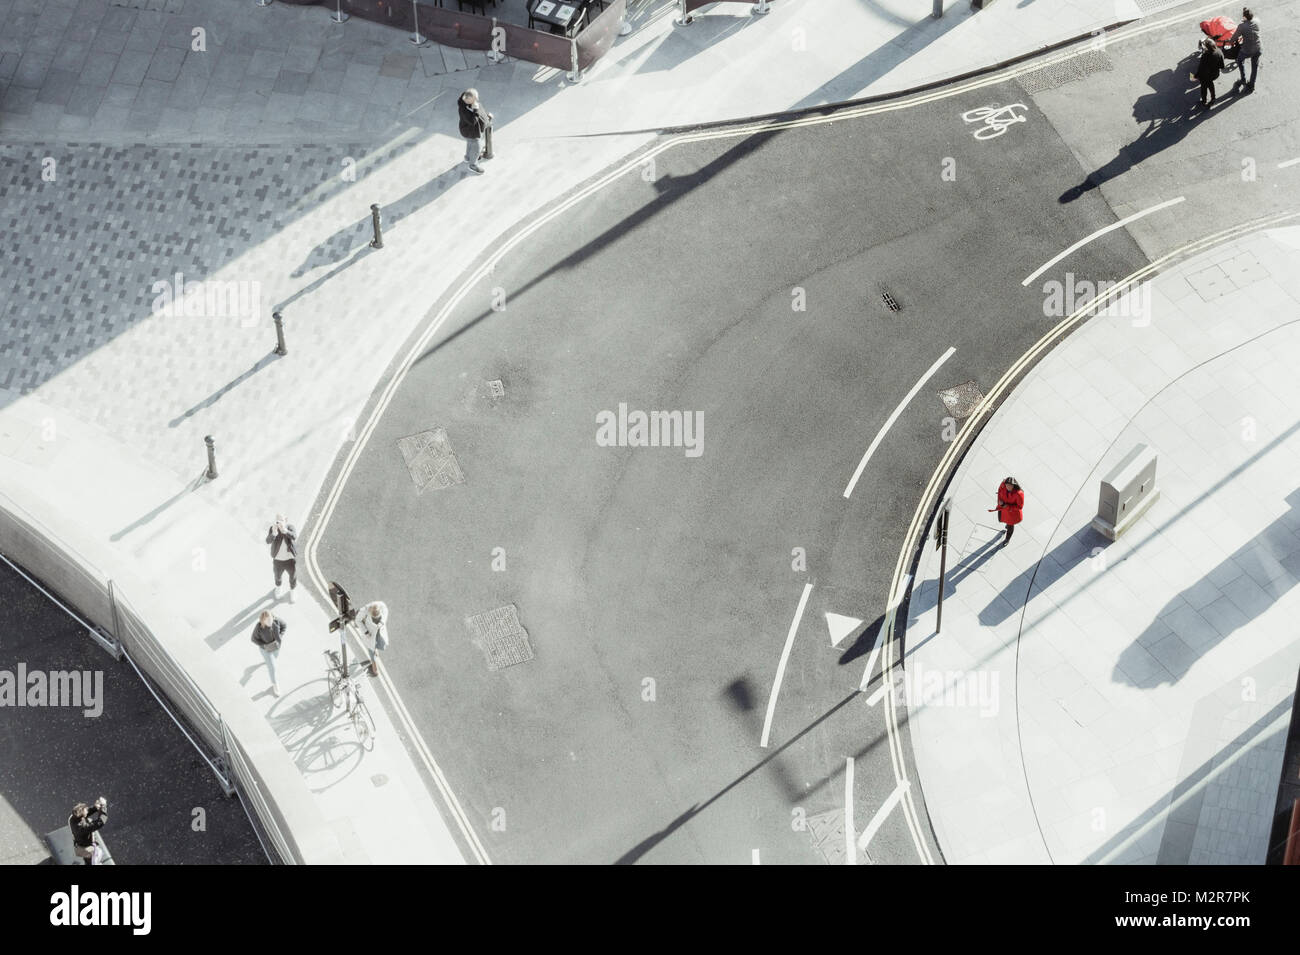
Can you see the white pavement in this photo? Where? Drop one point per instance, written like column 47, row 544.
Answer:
column 1127, row 702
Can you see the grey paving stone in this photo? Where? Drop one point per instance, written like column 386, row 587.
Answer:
column 107, row 41
column 210, row 121
column 166, row 64
column 153, row 95
column 177, row 31
column 99, row 68
column 291, row 82
column 142, row 121
column 187, row 94
column 1174, row 654
column 325, row 81
column 31, row 71
column 132, row 66
column 118, row 19
column 85, row 100
column 9, row 65
column 57, row 88
column 399, row 65
column 71, row 123
column 111, row 118
column 265, row 63
column 143, row 39
column 301, row 58
column 18, row 100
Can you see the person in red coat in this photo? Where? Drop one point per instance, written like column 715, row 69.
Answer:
column 1011, row 502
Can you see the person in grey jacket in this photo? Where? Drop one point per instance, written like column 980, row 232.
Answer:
column 266, row 637
column 476, row 128
column 1246, row 40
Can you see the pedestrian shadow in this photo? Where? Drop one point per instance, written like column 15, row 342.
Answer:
column 1171, row 111
column 1042, row 574
column 190, row 487
column 354, row 239
column 241, row 621
column 221, row 392
column 1270, row 555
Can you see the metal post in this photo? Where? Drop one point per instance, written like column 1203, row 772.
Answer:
column 685, row 18
column 761, row 8
column 264, row 3
column 416, row 38
column 624, row 28
column 279, row 334
column 941, row 542
column 573, row 75
column 338, row 16
column 212, row 457
column 378, row 241
column 937, row 12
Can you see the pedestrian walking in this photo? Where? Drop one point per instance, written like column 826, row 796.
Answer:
column 1246, row 41
column 1011, row 501
column 1208, row 69
column 267, row 633
column 284, row 554
column 476, row 127
column 84, row 822
column 373, row 622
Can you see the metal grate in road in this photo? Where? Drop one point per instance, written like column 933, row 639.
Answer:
column 1068, row 71
column 501, row 637
column 430, row 459
column 962, row 400
column 891, row 301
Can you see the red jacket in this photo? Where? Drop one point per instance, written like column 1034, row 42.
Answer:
column 1009, row 504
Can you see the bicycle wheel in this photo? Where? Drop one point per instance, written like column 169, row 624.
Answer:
column 334, row 678
column 363, row 724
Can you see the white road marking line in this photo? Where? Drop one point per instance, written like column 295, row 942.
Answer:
column 1100, row 232
column 880, row 435
column 840, row 626
column 875, row 646
column 874, row 698
column 780, row 667
column 1289, row 162
column 850, row 838
column 881, row 814
column 753, row 858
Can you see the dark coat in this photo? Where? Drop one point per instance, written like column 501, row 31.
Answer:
column 1248, row 36
column 1010, row 504
column 269, row 636
column 473, row 119
column 277, row 540
column 1210, row 66
column 83, row 830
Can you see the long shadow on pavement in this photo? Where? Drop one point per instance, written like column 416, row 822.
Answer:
column 1171, row 111
column 1256, row 554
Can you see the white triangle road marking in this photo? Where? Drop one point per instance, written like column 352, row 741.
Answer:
column 841, row 626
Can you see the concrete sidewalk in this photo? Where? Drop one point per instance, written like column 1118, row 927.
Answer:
column 91, row 354
column 1126, row 702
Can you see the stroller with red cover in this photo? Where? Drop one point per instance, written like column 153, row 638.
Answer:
column 1220, row 30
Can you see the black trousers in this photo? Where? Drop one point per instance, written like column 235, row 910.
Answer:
column 291, row 566
column 1207, row 85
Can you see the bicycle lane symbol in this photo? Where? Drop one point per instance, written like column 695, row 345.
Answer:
column 996, row 119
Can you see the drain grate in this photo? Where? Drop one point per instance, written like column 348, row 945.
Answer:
column 430, row 459
column 962, row 400
column 497, row 388
column 890, row 299
column 1068, row 71
column 827, row 832
column 501, row 637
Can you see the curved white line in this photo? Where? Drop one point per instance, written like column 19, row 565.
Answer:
column 780, row 667
column 1100, row 232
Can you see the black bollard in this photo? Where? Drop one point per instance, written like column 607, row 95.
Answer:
column 212, row 457
column 378, row 241
column 279, row 334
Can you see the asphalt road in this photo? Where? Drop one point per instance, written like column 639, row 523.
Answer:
column 675, row 288
column 130, row 752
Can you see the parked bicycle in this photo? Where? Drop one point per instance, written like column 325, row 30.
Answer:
column 345, row 691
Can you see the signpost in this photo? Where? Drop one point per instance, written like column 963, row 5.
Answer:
column 941, row 545
column 344, row 606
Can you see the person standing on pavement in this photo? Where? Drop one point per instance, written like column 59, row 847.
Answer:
column 1011, row 501
column 284, row 553
column 1246, row 40
column 476, row 127
column 1208, row 69
column 372, row 620
column 266, row 636
column 84, row 822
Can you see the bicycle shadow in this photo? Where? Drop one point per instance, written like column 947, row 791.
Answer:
column 319, row 737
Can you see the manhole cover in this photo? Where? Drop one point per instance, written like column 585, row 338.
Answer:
column 501, row 637
column 1067, row 71
column 827, row 832
column 430, row 460
column 962, row 400
column 497, row 388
